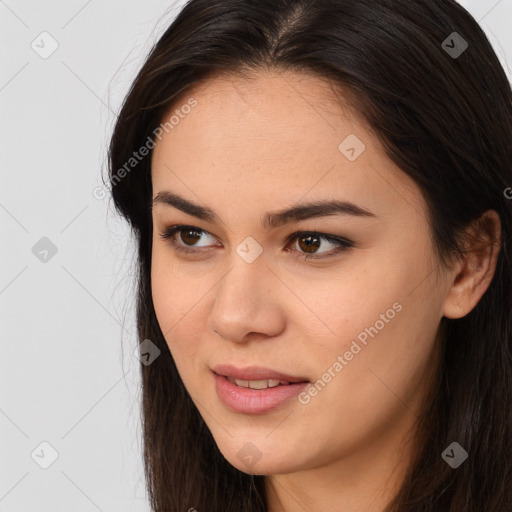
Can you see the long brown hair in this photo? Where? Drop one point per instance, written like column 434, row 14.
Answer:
column 445, row 118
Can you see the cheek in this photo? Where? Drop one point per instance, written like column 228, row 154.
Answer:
column 178, row 299
column 382, row 317
column 337, row 307
column 174, row 293
column 381, row 375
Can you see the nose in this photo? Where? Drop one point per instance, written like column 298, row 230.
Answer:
column 247, row 303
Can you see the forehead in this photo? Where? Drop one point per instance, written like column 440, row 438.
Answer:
column 271, row 137
column 287, row 104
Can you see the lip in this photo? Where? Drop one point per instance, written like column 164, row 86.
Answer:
column 255, row 373
column 255, row 401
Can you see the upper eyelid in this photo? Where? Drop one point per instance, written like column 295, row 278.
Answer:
column 182, row 227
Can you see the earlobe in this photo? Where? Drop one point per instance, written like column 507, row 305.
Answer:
column 473, row 274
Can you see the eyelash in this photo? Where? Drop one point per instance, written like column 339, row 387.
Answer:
column 342, row 243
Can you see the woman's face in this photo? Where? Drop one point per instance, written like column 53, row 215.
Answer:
column 358, row 322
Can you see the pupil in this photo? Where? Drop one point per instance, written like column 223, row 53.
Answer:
column 310, row 245
column 185, row 234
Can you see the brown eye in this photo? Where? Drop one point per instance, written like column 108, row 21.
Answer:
column 190, row 236
column 309, row 244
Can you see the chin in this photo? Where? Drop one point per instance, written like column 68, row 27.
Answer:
column 254, row 461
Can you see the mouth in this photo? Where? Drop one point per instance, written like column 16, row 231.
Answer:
column 260, row 383
column 255, row 390
column 256, row 377
column 257, row 384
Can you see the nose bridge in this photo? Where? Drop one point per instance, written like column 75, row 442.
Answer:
column 243, row 284
column 242, row 302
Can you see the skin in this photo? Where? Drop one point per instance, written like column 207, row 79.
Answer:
column 262, row 144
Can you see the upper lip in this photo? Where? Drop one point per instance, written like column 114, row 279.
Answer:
column 255, row 373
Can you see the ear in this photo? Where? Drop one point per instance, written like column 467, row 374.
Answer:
column 472, row 275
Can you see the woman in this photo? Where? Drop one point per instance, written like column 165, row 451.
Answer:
column 318, row 191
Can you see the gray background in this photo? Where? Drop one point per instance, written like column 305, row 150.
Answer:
column 68, row 375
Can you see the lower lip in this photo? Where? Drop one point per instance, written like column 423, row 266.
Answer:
column 254, row 401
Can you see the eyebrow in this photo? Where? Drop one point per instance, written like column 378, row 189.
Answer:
column 270, row 220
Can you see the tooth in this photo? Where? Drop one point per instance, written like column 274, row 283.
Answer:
column 258, row 384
